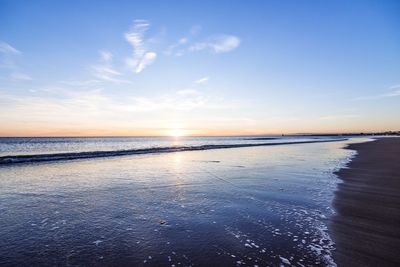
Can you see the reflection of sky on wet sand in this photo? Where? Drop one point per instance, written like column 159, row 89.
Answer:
column 250, row 205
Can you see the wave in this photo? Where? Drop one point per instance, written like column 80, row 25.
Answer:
column 4, row 160
column 261, row 138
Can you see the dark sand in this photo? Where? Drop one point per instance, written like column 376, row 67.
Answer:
column 366, row 228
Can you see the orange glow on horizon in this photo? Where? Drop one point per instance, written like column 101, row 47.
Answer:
column 172, row 132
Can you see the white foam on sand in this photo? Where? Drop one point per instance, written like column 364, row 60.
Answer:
column 284, row 260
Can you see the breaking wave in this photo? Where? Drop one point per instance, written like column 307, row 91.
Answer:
column 155, row 150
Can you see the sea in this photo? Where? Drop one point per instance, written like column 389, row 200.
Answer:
column 169, row 201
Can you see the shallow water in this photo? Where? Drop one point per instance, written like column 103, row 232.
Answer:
column 241, row 206
column 11, row 146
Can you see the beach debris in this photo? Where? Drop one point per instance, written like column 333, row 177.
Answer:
column 162, row 222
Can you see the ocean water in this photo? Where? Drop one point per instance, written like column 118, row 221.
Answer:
column 24, row 149
column 44, row 145
column 265, row 205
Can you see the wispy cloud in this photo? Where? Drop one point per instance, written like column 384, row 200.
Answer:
column 8, row 63
column 60, row 105
column 176, row 48
column 180, row 46
column 217, row 44
column 105, row 71
column 6, row 48
column 203, row 80
column 339, row 117
column 147, row 59
column 221, row 43
column 106, row 56
column 183, row 40
column 393, row 91
column 84, row 83
column 141, row 57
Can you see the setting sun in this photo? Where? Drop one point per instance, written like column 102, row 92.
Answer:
column 176, row 132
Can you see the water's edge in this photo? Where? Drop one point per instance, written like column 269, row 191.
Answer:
column 6, row 160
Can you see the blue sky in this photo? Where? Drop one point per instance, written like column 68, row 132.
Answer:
column 203, row 67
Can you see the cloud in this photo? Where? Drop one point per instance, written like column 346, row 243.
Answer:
column 63, row 100
column 203, row 80
column 58, row 109
column 147, row 59
column 105, row 71
column 106, row 56
column 222, row 43
column 8, row 63
column 8, row 49
column 172, row 49
column 141, row 57
column 84, row 83
column 217, row 44
column 394, row 92
column 339, row 117
column 183, row 40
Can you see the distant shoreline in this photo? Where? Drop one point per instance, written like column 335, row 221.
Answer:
column 348, row 134
column 366, row 228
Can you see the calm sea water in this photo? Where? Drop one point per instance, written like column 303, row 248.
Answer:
column 247, row 206
column 44, row 145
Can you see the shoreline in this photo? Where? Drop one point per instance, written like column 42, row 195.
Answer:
column 366, row 227
column 19, row 159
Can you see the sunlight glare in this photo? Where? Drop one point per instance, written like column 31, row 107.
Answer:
column 176, row 133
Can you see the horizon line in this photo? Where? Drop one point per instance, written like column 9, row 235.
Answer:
column 226, row 135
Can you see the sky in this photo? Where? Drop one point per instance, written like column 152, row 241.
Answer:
column 83, row 68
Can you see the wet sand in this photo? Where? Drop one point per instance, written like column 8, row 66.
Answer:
column 366, row 228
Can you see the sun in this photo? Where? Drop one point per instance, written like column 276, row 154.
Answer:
column 176, row 132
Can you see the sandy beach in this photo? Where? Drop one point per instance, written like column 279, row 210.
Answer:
column 366, row 228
